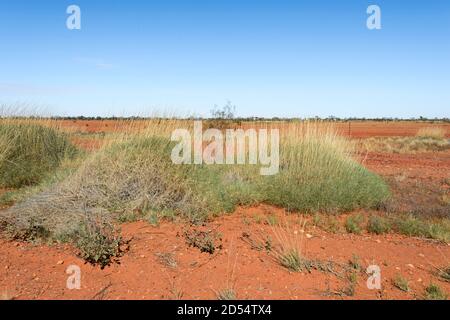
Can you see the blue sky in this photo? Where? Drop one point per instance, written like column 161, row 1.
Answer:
column 269, row 58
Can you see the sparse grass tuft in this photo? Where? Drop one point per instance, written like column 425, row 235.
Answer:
column 226, row 294
column 355, row 263
column 434, row 292
column 352, row 281
column 327, row 222
column 353, row 224
column 378, row 225
column 287, row 250
column 400, row 283
column 444, row 273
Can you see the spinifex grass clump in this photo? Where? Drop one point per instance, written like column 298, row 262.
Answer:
column 318, row 174
column 29, row 151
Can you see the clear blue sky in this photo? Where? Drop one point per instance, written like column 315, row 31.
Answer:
column 270, row 58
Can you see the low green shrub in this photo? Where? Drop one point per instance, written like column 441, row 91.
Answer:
column 353, row 224
column 98, row 241
column 378, row 225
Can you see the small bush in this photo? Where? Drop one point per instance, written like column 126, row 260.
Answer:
column 411, row 226
column 203, row 240
column 98, row 241
column 434, row 292
column 353, row 224
column 378, row 225
column 272, row 220
column 328, row 223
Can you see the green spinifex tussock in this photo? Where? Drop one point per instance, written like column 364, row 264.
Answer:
column 29, row 151
column 317, row 175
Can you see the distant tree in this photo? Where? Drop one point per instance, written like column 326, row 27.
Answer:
column 226, row 112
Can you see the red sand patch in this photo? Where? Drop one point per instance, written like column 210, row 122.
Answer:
column 33, row 272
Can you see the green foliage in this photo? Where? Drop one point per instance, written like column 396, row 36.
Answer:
column 98, row 241
column 205, row 241
column 401, row 283
column 378, row 225
column 30, row 152
column 315, row 176
column 434, row 292
column 291, row 260
column 353, row 224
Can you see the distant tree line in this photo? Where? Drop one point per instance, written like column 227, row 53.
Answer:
column 248, row 119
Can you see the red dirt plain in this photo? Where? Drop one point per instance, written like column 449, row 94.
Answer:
column 30, row 271
column 355, row 129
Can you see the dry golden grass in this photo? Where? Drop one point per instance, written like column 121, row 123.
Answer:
column 431, row 132
column 403, row 144
column 288, row 247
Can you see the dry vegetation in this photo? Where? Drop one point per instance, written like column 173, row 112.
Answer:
column 432, row 132
column 405, row 144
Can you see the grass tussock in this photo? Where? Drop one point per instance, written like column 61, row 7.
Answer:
column 354, row 223
column 401, row 283
column 444, row 273
column 30, row 150
column 434, row 292
column 432, row 132
column 318, row 173
column 288, row 248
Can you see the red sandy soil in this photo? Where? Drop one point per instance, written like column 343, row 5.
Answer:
column 427, row 165
column 39, row 272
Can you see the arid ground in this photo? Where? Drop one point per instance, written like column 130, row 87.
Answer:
column 161, row 261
